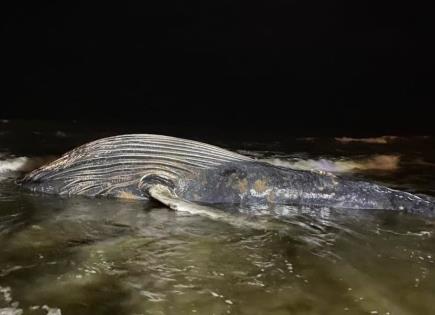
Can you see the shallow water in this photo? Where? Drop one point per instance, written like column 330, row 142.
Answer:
column 99, row 256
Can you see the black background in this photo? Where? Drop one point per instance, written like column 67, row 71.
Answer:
column 300, row 67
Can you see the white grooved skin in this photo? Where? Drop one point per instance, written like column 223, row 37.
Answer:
column 109, row 164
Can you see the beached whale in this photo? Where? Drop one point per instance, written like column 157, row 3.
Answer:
column 175, row 171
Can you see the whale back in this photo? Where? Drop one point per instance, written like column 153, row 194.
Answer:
column 115, row 165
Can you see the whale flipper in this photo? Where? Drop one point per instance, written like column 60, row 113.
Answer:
column 166, row 196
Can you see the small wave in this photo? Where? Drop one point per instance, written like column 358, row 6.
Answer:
column 375, row 140
column 60, row 134
column 377, row 162
column 255, row 154
column 23, row 164
column 420, row 161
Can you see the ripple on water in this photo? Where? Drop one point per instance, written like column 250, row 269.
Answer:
column 83, row 256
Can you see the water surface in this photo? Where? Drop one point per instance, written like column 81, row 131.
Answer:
column 100, row 256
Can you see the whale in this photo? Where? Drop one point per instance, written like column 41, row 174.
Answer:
column 180, row 173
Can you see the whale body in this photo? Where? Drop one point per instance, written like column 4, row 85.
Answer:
column 173, row 170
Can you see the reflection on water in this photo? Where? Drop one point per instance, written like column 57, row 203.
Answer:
column 99, row 256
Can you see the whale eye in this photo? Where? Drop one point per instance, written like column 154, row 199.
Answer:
column 233, row 172
column 229, row 171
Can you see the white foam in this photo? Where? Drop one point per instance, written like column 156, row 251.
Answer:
column 23, row 164
column 374, row 140
column 52, row 310
column 376, row 162
column 13, row 309
column 13, row 164
column 6, row 294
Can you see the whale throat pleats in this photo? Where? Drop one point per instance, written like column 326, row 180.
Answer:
column 115, row 165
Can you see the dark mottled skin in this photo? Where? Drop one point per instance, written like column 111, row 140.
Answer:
column 262, row 183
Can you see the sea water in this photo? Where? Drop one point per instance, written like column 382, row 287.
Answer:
column 99, row 256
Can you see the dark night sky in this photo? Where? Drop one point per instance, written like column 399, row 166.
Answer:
column 300, row 66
